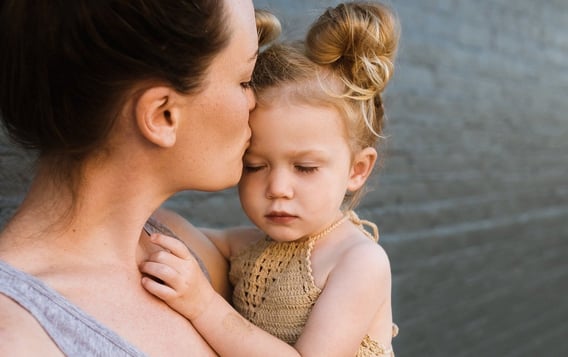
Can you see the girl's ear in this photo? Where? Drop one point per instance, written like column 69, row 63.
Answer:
column 157, row 116
column 361, row 169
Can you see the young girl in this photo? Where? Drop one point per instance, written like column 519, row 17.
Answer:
column 312, row 275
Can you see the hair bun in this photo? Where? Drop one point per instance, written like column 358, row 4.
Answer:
column 268, row 27
column 359, row 40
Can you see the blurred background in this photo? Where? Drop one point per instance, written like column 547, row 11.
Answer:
column 472, row 201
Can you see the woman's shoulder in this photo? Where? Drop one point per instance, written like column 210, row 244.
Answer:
column 18, row 329
column 173, row 221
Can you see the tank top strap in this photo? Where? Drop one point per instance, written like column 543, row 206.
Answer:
column 361, row 223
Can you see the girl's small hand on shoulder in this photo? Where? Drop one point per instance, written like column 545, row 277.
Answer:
column 174, row 276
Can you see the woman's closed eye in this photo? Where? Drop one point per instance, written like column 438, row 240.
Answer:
column 250, row 168
column 246, row 85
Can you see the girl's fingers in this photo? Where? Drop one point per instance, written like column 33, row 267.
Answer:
column 174, row 245
column 183, row 266
column 162, row 272
column 162, row 291
column 174, row 268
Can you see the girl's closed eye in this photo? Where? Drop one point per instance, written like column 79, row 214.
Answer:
column 306, row 169
column 246, row 85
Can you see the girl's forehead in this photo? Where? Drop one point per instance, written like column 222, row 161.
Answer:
column 294, row 126
column 317, row 88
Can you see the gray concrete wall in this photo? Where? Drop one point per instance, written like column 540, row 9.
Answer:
column 473, row 199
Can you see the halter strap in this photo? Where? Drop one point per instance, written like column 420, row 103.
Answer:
column 315, row 237
column 352, row 216
column 360, row 223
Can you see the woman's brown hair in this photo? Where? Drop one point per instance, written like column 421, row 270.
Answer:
column 67, row 66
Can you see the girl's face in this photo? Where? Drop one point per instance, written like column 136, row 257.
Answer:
column 215, row 130
column 296, row 170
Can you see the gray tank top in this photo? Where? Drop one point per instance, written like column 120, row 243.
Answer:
column 72, row 330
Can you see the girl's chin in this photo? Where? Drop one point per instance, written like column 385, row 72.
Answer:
column 280, row 236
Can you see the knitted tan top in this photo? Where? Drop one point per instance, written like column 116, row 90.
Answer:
column 274, row 287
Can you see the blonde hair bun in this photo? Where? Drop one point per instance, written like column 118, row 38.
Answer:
column 359, row 40
column 268, row 27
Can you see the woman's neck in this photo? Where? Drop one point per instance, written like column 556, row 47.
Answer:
column 100, row 224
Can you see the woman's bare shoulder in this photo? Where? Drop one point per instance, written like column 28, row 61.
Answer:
column 19, row 329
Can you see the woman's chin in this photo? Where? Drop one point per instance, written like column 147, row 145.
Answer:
column 220, row 185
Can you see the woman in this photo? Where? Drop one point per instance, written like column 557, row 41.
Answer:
column 126, row 103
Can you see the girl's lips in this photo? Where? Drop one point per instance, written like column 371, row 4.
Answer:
column 280, row 217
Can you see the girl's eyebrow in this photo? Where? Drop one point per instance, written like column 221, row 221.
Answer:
column 312, row 153
column 308, row 152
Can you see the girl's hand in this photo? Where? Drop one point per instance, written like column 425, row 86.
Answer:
column 183, row 286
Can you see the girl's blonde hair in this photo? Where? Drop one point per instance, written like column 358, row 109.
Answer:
column 346, row 61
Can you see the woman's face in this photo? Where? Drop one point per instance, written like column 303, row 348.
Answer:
column 215, row 132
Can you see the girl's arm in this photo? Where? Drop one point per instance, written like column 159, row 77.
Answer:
column 230, row 241
column 187, row 291
column 355, row 297
column 354, row 293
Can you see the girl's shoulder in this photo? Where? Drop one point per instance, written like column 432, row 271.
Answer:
column 362, row 246
column 366, row 254
column 360, row 251
column 349, row 249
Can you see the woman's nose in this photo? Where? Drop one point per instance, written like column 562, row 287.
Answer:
column 251, row 98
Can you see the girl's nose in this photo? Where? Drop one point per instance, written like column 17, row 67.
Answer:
column 279, row 186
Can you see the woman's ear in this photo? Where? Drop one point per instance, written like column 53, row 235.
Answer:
column 361, row 169
column 157, row 117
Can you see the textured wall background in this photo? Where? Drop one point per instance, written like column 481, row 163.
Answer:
column 473, row 199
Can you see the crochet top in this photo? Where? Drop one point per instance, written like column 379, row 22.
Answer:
column 274, row 287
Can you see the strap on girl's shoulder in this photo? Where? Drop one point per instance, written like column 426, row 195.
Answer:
column 361, row 223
